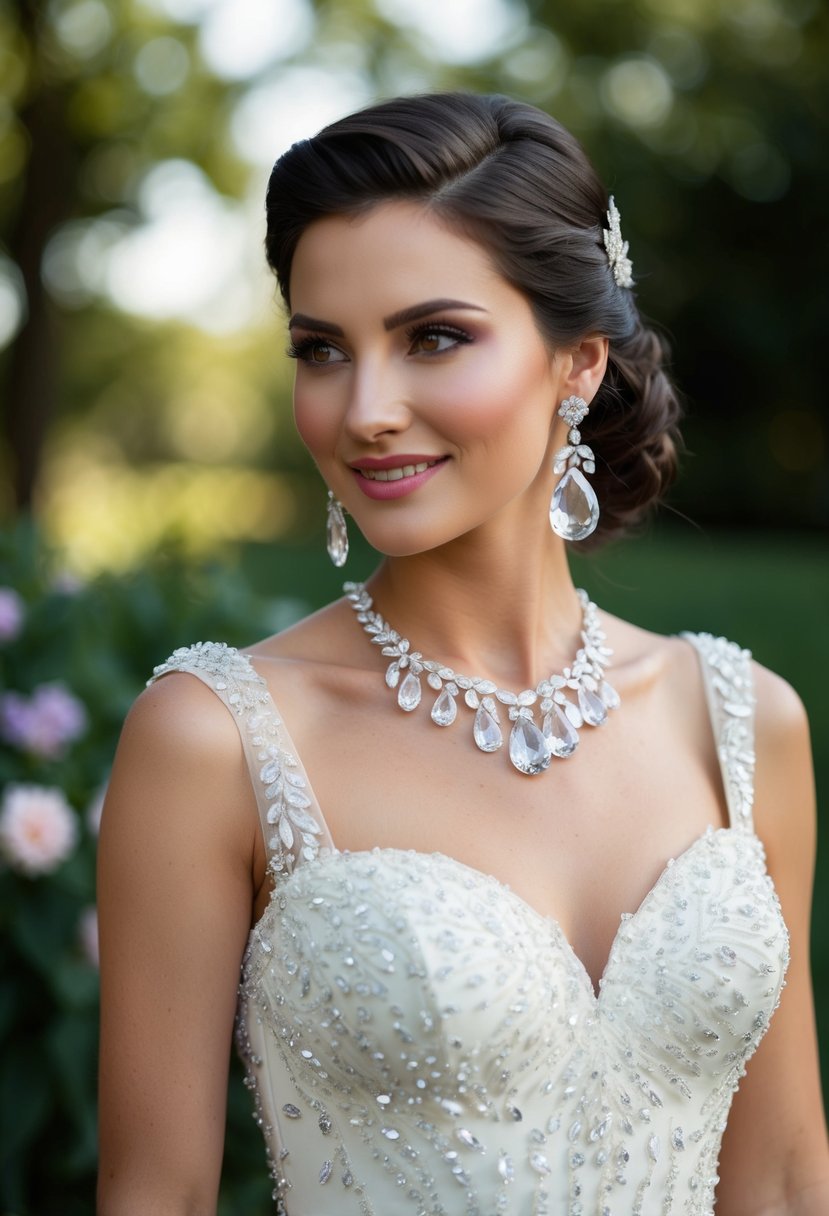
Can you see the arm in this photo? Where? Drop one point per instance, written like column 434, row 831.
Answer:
column 775, row 1160
column 175, row 897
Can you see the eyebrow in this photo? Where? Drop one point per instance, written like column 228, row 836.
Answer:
column 301, row 321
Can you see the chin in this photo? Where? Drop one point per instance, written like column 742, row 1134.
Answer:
column 406, row 544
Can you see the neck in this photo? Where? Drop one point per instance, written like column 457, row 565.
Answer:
column 484, row 608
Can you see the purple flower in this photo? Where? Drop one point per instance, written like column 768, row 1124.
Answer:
column 11, row 614
column 43, row 724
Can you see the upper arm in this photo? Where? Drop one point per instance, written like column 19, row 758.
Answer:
column 174, row 898
column 775, row 1141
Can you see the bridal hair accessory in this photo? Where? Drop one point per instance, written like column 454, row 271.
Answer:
column 617, row 249
column 574, row 507
column 336, row 533
column 566, row 702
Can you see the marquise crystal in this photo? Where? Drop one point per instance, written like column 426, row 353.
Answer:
column 579, row 696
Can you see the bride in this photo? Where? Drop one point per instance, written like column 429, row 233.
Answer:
column 512, row 901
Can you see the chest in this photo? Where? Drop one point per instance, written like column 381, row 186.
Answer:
column 582, row 842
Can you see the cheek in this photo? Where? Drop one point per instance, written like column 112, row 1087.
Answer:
column 500, row 401
column 315, row 424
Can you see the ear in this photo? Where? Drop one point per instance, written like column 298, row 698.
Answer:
column 583, row 368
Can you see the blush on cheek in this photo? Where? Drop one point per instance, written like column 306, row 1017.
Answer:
column 311, row 426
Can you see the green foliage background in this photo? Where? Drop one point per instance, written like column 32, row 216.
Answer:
column 139, row 443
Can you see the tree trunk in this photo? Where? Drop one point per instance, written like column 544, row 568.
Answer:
column 47, row 198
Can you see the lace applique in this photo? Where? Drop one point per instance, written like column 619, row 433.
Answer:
column 282, row 789
column 732, row 708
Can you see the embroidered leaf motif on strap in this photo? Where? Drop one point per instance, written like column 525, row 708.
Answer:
column 293, row 833
column 729, row 673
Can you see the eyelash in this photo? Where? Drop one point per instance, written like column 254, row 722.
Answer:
column 440, row 328
column 303, row 346
column 301, row 349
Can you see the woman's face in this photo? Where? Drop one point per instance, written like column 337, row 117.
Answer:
column 424, row 390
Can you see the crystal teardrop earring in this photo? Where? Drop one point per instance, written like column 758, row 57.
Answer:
column 336, row 533
column 574, row 507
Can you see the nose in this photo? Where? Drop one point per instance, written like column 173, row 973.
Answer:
column 377, row 404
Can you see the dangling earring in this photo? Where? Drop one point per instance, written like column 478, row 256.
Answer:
column 336, row 533
column 574, row 507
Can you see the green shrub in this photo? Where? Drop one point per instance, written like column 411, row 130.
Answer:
column 89, row 649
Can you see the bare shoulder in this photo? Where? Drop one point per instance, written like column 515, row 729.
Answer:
column 784, row 811
column 779, row 708
column 327, row 636
column 180, row 768
column 178, row 715
column 646, row 658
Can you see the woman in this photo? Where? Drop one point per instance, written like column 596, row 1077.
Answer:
column 447, row 1006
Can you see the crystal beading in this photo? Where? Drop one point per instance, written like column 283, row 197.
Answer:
column 580, row 695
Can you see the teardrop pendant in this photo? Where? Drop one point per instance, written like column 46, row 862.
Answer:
column 408, row 694
column 593, row 708
column 562, row 738
column 336, row 532
column 445, row 709
column 574, row 508
column 609, row 695
column 486, row 731
column 528, row 749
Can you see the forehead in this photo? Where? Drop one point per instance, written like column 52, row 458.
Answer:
column 397, row 250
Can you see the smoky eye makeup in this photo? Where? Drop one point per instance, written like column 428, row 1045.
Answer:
column 424, row 330
column 307, row 347
column 317, row 348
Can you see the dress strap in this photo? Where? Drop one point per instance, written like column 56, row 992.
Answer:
column 729, row 689
column 283, row 794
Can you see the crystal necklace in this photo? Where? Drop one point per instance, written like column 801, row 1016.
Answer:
column 566, row 702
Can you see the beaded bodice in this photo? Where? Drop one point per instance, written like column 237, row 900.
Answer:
column 419, row 1039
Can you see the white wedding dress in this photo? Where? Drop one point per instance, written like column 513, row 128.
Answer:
column 420, row 1040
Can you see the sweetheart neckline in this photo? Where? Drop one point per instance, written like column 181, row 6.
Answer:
column 625, row 918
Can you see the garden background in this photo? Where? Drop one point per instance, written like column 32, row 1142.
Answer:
column 152, row 492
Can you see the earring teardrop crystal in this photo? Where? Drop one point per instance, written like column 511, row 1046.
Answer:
column 336, row 532
column 574, row 507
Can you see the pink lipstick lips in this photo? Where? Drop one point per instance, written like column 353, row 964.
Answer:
column 395, row 476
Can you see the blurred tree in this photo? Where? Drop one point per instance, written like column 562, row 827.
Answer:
column 93, row 96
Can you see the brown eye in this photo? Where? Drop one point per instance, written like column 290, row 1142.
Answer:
column 430, row 342
column 315, row 351
column 436, row 339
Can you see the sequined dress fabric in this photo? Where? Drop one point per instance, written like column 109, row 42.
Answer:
column 419, row 1039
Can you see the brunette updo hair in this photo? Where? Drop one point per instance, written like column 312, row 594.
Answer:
column 510, row 177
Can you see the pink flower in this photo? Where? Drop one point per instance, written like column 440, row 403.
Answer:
column 38, row 829
column 88, row 935
column 11, row 614
column 44, row 723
